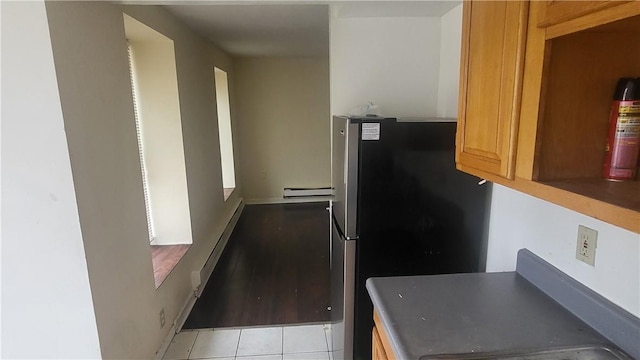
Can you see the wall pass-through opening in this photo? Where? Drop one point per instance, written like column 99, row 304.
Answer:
column 154, row 86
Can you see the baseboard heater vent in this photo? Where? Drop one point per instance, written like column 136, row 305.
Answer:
column 200, row 278
column 307, row 192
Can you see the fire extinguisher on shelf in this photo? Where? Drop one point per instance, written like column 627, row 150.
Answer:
column 623, row 142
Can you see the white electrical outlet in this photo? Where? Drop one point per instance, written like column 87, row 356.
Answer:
column 586, row 245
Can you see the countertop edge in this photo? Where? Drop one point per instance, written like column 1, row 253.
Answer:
column 610, row 320
column 387, row 322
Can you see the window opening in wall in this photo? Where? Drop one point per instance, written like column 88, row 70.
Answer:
column 143, row 165
column 154, row 85
column 224, row 132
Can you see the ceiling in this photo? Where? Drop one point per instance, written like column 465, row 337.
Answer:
column 286, row 28
column 260, row 30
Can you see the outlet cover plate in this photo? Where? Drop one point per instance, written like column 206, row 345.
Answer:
column 162, row 318
column 586, row 245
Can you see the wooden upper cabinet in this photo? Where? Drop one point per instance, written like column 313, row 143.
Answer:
column 568, row 17
column 493, row 40
column 536, row 85
column 560, row 11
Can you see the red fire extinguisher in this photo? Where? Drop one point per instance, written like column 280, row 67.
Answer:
column 623, row 143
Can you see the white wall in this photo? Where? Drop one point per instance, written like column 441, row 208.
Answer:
column 521, row 221
column 390, row 61
column 89, row 48
column 448, row 80
column 283, row 125
column 47, row 310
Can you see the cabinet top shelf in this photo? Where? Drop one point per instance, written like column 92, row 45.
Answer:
column 625, row 194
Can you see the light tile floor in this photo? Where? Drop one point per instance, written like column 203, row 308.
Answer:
column 299, row 342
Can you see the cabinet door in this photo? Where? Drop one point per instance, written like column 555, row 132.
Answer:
column 493, row 40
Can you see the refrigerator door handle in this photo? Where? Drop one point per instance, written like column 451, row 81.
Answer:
column 340, row 232
column 329, row 209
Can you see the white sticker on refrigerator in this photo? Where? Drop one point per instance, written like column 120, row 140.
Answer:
column 370, row 131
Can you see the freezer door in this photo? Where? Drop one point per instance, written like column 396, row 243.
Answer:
column 343, row 257
column 344, row 174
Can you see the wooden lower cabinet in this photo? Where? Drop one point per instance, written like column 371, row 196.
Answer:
column 377, row 351
column 381, row 348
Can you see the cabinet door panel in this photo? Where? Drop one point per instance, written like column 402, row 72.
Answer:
column 491, row 80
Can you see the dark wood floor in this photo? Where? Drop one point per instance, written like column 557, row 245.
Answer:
column 274, row 270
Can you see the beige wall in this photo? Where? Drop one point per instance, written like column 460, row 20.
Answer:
column 283, row 125
column 90, row 57
column 47, row 310
column 449, row 74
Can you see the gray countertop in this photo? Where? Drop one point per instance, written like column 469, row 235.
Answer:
column 473, row 313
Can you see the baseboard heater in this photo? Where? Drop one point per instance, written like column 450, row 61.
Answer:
column 199, row 278
column 307, row 192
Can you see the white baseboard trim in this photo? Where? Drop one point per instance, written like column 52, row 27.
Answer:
column 165, row 344
column 184, row 313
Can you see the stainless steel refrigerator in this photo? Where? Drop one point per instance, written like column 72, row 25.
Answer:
column 400, row 208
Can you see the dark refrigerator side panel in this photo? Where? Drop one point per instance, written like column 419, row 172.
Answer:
column 417, row 214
